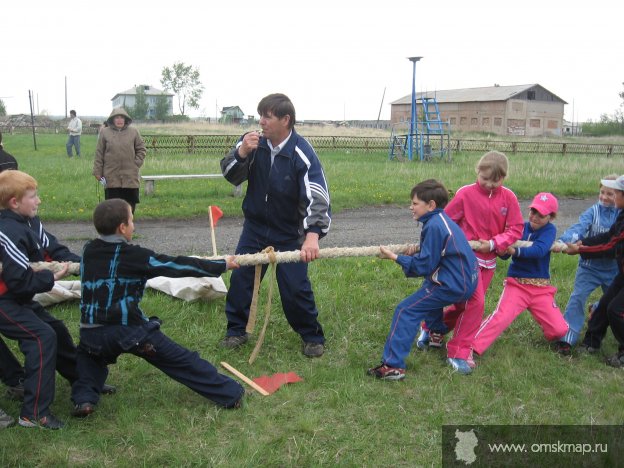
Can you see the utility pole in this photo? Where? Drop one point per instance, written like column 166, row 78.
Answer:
column 32, row 117
column 414, row 111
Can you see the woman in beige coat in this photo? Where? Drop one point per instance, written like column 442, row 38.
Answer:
column 119, row 155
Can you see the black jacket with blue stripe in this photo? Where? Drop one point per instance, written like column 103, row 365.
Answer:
column 113, row 275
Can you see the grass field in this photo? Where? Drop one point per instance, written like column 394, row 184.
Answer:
column 337, row 415
column 69, row 191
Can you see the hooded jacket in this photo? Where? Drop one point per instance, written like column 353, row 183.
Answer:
column 120, row 153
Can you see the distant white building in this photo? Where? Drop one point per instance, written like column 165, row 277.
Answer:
column 127, row 98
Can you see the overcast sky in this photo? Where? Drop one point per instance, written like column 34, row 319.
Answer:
column 334, row 59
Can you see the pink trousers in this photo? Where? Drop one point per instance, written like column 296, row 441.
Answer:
column 516, row 297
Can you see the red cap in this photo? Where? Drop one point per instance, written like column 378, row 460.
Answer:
column 545, row 203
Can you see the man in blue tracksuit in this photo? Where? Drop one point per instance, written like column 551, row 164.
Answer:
column 287, row 206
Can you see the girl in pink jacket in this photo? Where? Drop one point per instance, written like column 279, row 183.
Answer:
column 489, row 214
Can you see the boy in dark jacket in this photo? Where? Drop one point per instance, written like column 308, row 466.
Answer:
column 113, row 274
column 610, row 309
column 44, row 340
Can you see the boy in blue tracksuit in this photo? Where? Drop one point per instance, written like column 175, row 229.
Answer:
column 448, row 265
column 286, row 206
column 113, row 273
column 591, row 272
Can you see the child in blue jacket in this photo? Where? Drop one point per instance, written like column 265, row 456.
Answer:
column 591, row 272
column 448, row 265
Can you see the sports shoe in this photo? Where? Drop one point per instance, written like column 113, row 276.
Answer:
column 385, row 372
column 232, row 342
column 422, row 342
column 16, row 392
column 586, row 349
column 460, row 366
column 311, row 349
column 470, row 361
column 617, row 360
column 47, row 422
column 109, row 389
column 563, row 348
column 5, row 420
column 82, row 410
column 436, row 340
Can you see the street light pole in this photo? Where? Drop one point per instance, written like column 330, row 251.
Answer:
column 414, row 113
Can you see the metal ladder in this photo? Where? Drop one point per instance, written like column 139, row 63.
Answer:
column 431, row 115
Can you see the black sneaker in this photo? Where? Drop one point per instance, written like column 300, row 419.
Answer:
column 232, row 342
column 617, row 360
column 83, row 410
column 313, row 349
column 586, row 349
column 47, row 422
column 5, row 420
column 16, row 392
column 563, row 348
column 109, row 389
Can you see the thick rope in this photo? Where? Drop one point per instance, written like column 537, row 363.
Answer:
column 254, row 303
column 294, row 256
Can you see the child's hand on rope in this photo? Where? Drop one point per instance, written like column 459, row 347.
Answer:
column 230, row 263
column 573, row 249
column 384, row 252
column 63, row 272
column 484, row 246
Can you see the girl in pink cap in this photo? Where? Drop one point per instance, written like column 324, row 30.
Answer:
column 528, row 280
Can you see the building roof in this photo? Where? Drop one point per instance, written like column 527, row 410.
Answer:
column 147, row 89
column 488, row 93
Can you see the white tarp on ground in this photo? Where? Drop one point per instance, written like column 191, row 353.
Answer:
column 187, row 289
column 190, row 289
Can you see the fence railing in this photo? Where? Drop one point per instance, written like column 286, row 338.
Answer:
column 221, row 144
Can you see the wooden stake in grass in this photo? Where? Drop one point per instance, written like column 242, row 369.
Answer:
column 245, row 379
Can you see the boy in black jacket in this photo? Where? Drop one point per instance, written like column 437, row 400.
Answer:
column 113, row 274
column 610, row 309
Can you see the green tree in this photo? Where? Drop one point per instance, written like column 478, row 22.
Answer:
column 2, row 108
column 161, row 107
column 183, row 81
column 139, row 111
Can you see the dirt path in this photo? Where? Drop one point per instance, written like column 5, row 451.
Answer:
column 350, row 228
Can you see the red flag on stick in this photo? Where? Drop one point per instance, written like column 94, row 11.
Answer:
column 275, row 381
column 216, row 214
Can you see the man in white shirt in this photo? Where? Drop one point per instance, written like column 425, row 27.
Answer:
column 74, row 127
